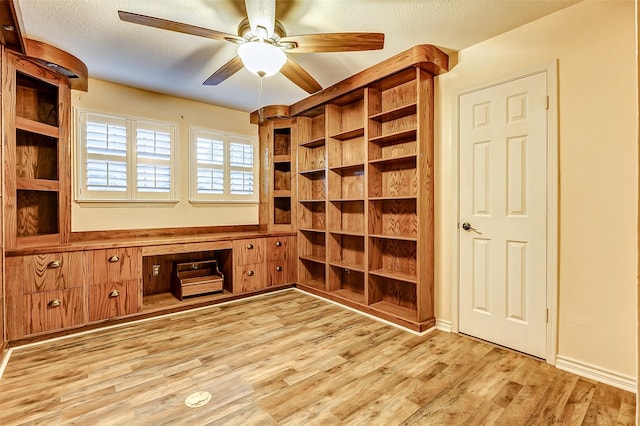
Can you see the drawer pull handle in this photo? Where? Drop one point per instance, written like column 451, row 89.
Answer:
column 54, row 303
column 279, row 268
column 55, row 264
column 114, row 293
column 114, row 259
column 278, row 243
column 250, row 273
column 249, row 246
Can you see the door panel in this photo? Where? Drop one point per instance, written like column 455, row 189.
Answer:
column 503, row 178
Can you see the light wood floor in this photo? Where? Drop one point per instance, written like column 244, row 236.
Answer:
column 289, row 358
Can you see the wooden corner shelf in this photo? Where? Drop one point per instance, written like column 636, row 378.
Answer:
column 401, row 136
column 396, row 113
column 349, row 134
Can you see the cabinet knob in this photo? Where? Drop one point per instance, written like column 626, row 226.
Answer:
column 249, row 246
column 278, row 243
column 114, row 259
column 250, row 273
column 55, row 264
column 54, row 303
column 114, row 293
column 279, row 268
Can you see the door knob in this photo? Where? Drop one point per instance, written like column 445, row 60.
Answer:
column 467, row 227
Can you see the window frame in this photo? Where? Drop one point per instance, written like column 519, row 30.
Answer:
column 226, row 197
column 132, row 125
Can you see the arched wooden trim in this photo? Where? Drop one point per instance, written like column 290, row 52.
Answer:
column 269, row 113
column 61, row 62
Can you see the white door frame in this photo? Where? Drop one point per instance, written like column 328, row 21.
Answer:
column 552, row 201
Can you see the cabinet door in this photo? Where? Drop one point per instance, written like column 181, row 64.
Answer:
column 249, row 251
column 46, row 272
column 52, row 310
column 249, row 278
column 278, row 271
column 112, row 300
column 278, row 248
column 114, row 265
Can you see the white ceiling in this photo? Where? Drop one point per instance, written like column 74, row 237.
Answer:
column 177, row 64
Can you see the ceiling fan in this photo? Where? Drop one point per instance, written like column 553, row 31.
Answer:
column 264, row 44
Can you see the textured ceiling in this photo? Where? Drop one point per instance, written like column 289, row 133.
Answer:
column 177, row 64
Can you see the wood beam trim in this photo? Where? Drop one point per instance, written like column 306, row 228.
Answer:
column 269, row 113
column 60, row 61
column 10, row 17
column 424, row 56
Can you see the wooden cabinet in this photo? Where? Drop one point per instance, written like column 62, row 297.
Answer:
column 44, row 293
column 365, row 189
column 263, row 262
column 114, row 282
column 37, row 186
column 278, row 152
column 280, row 258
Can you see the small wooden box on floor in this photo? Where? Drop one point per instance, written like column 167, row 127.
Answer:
column 195, row 278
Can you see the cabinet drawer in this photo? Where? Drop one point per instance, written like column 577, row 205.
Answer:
column 278, row 248
column 249, row 278
column 112, row 300
column 250, row 251
column 45, row 272
column 278, row 272
column 52, row 310
column 114, row 265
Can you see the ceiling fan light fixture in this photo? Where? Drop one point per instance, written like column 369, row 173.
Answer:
column 262, row 59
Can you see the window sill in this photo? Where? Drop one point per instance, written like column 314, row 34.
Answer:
column 223, row 202
column 126, row 203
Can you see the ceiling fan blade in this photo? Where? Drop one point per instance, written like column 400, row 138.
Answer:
column 261, row 13
column 179, row 27
column 294, row 72
column 333, row 42
column 224, row 72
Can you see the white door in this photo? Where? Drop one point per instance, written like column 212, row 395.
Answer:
column 503, row 184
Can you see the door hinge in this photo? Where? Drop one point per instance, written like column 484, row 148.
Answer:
column 548, row 102
column 547, row 315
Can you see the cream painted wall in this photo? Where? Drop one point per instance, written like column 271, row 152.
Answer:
column 116, row 99
column 594, row 43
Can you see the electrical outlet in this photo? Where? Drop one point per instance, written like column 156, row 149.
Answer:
column 155, row 270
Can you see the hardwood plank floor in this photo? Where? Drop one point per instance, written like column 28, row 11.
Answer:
column 289, row 358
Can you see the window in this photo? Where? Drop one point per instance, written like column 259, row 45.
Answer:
column 124, row 159
column 223, row 167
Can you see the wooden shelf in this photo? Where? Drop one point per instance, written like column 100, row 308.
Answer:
column 311, row 172
column 394, row 275
column 281, row 193
column 347, row 265
column 349, row 295
column 37, row 127
column 282, row 158
column 37, row 184
column 394, row 198
column 317, row 231
column 314, row 259
column 342, row 167
column 394, row 237
column 313, row 143
column 319, row 200
column 161, row 301
column 402, row 136
column 349, row 134
column 346, row 200
column 395, row 310
column 396, row 159
column 351, row 233
column 394, row 114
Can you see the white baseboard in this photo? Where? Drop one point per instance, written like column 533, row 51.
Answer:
column 443, row 325
column 594, row 372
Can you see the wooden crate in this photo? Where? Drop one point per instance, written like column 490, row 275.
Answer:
column 196, row 278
